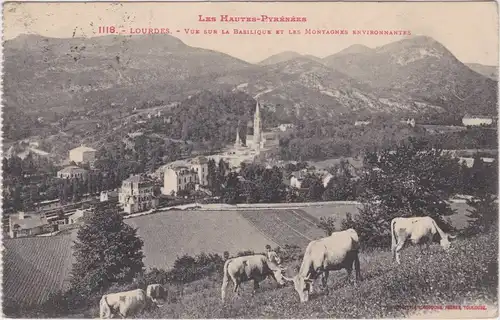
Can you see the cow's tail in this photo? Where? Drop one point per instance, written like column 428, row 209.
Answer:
column 225, row 279
column 438, row 229
column 104, row 308
column 394, row 239
column 357, row 267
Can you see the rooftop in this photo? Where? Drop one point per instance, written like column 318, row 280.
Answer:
column 83, row 148
column 199, row 160
column 477, row 116
column 30, row 221
column 136, row 179
column 71, row 169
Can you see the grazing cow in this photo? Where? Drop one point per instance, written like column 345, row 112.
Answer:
column 336, row 252
column 417, row 229
column 254, row 267
column 123, row 304
column 155, row 292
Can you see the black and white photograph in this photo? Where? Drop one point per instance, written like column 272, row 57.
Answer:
column 254, row 160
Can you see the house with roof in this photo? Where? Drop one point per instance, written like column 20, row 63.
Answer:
column 179, row 178
column 477, row 120
column 82, row 154
column 108, row 196
column 297, row 178
column 29, row 224
column 72, row 172
column 137, row 194
column 78, row 215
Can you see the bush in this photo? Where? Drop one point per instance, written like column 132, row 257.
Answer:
column 328, row 224
column 483, row 216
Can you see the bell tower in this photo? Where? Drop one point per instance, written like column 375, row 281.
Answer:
column 238, row 143
column 257, row 128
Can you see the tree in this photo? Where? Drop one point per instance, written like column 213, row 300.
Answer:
column 106, row 251
column 231, row 190
column 314, row 187
column 411, row 180
column 327, row 224
column 341, row 186
column 211, row 174
column 483, row 216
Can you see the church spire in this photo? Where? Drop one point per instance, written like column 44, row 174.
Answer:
column 257, row 128
column 238, row 143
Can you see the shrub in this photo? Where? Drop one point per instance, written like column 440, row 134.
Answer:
column 328, row 224
column 483, row 216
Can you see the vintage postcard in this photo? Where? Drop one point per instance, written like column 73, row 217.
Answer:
column 250, row 160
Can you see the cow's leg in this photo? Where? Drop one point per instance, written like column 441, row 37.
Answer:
column 398, row 248
column 349, row 273
column 237, row 288
column 324, row 281
column 428, row 243
column 255, row 286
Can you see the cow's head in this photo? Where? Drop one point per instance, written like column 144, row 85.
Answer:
column 278, row 275
column 104, row 309
column 445, row 241
column 302, row 286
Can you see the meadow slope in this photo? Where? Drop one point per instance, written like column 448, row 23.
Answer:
column 45, row 262
column 34, row 267
column 464, row 276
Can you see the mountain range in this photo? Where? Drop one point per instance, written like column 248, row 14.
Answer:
column 487, row 71
column 49, row 76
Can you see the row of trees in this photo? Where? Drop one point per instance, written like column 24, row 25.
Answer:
column 404, row 169
column 322, row 139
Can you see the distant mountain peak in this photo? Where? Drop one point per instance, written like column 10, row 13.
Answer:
column 355, row 48
column 280, row 57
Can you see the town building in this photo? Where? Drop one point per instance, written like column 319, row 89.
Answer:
column 179, row 178
column 477, row 120
column 108, row 196
column 137, row 194
column 358, row 123
column 72, row 172
column 297, row 178
column 77, row 216
column 200, row 165
column 25, row 225
column 258, row 145
column 285, row 126
column 82, row 154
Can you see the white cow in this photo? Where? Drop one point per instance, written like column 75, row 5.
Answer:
column 336, row 252
column 253, row 267
column 417, row 229
column 123, row 304
column 156, row 291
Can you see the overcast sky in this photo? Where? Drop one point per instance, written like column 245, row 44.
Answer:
column 468, row 29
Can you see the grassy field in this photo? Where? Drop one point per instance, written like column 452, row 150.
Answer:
column 464, row 276
column 34, row 267
column 169, row 235
column 284, row 226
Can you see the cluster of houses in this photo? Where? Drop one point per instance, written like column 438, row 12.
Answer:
column 137, row 192
column 467, row 121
